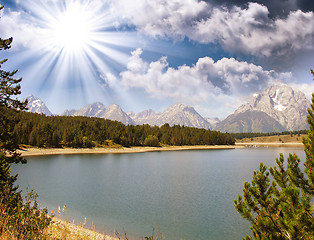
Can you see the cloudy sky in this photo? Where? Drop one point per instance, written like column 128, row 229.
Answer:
column 212, row 55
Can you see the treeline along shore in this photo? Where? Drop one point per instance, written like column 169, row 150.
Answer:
column 85, row 132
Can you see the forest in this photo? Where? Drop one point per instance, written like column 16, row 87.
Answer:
column 85, row 132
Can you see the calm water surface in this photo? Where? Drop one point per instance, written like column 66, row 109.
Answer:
column 186, row 194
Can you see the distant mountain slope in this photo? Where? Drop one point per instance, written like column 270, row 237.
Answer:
column 281, row 103
column 36, row 105
column 90, row 110
column 97, row 109
column 249, row 121
column 213, row 122
column 177, row 114
column 115, row 113
column 144, row 117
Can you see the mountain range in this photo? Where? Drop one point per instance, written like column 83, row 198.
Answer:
column 97, row 109
column 276, row 109
column 177, row 114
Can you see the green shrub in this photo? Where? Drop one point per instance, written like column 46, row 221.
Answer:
column 151, row 141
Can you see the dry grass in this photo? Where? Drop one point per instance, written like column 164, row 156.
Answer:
column 25, row 222
column 60, row 229
column 20, row 220
column 274, row 139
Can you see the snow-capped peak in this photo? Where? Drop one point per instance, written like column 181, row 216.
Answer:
column 282, row 103
column 277, row 105
column 36, row 105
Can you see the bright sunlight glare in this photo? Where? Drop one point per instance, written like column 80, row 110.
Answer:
column 75, row 43
column 73, row 28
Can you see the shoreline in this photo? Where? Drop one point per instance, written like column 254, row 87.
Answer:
column 270, row 144
column 60, row 228
column 26, row 152
column 30, row 151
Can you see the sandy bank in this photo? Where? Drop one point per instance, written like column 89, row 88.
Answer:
column 56, row 151
column 59, row 151
column 61, row 229
column 271, row 144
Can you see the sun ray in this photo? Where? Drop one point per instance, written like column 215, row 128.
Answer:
column 76, row 44
column 113, row 54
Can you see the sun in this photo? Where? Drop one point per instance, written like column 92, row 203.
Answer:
column 75, row 43
column 72, row 29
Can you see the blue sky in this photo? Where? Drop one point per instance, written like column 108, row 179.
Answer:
column 143, row 54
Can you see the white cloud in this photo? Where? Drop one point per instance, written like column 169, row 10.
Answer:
column 160, row 17
column 252, row 31
column 201, row 82
column 249, row 30
column 246, row 30
column 12, row 24
column 215, row 88
column 136, row 64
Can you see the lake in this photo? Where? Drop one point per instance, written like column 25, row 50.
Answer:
column 185, row 194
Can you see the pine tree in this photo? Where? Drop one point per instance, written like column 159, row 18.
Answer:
column 18, row 219
column 8, row 87
column 282, row 207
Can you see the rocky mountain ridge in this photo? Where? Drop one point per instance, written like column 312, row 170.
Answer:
column 276, row 109
column 281, row 103
column 112, row 112
column 36, row 105
column 177, row 114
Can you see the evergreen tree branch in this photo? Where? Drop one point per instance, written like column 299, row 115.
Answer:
column 283, row 207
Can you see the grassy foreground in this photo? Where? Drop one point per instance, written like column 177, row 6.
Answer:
column 27, row 223
column 60, row 229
